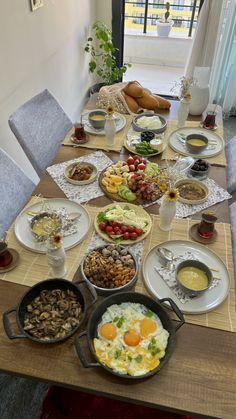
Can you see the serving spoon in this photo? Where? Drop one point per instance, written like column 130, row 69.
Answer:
column 166, row 257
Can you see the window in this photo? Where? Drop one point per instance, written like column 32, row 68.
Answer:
column 178, row 5
column 138, row 18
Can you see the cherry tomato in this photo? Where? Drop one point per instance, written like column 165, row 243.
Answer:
column 130, row 160
column 136, row 158
column 118, row 232
column 126, row 235
column 109, row 229
column 111, row 233
column 131, row 229
column 124, row 229
column 114, row 223
column 139, row 231
column 103, row 225
column 116, row 229
column 133, row 236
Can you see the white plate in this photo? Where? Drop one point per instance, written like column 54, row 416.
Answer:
column 202, row 304
column 120, row 122
column 177, row 145
column 26, row 238
column 135, row 138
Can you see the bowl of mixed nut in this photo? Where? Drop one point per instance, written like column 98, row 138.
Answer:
column 110, row 268
column 50, row 312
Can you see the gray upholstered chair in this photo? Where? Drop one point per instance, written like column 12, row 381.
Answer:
column 232, row 213
column 230, row 151
column 15, row 189
column 40, row 126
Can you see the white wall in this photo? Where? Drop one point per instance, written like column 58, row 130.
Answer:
column 42, row 49
column 147, row 49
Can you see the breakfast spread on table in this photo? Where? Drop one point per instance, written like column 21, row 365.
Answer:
column 129, row 339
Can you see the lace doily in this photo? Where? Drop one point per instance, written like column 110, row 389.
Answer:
column 69, row 226
column 216, row 194
column 83, row 193
column 169, row 277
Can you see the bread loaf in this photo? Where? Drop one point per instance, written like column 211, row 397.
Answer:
column 148, row 101
column 133, row 89
column 163, row 103
column 131, row 102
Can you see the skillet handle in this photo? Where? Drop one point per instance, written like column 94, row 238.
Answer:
column 81, row 354
column 176, row 310
column 91, row 290
column 7, row 325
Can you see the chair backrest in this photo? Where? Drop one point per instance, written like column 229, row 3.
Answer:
column 230, row 151
column 40, row 125
column 15, row 189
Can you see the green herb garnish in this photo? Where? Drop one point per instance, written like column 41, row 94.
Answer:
column 139, row 358
column 149, row 313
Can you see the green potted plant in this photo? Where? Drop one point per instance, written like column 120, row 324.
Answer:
column 165, row 24
column 102, row 55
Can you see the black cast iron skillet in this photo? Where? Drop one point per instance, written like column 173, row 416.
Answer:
column 48, row 284
column 132, row 297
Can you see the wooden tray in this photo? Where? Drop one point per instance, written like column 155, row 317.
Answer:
column 118, row 198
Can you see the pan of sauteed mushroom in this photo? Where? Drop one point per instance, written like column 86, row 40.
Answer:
column 50, row 312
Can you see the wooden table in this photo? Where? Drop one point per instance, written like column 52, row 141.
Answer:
column 199, row 379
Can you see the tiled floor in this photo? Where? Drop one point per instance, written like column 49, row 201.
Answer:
column 159, row 79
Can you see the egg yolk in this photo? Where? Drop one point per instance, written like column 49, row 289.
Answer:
column 147, row 327
column 131, row 338
column 108, row 331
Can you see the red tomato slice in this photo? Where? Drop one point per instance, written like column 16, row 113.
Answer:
column 133, row 236
column 126, row 235
column 103, row 225
column 139, row 231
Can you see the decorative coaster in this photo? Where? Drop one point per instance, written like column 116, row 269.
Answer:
column 193, row 232
column 78, row 142
column 13, row 263
column 210, row 129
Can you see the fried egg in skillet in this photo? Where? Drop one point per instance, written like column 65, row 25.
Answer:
column 131, row 339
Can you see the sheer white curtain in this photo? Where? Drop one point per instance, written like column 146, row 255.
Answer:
column 205, row 37
column 223, row 75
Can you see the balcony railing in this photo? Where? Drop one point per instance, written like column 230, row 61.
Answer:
column 143, row 15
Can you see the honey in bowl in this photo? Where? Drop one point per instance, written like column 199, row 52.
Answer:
column 196, row 141
column 193, row 278
column 97, row 117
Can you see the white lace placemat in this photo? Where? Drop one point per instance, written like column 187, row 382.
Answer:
column 169, row 276
column 80, row 193
column 216, row 194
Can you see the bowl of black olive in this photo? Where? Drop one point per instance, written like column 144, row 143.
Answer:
column 200, row 169
column 147, row 136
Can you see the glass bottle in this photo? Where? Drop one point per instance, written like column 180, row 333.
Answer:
column 110, row 130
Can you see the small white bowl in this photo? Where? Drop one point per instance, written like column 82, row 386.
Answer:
column 149, row 114
column 80, row 182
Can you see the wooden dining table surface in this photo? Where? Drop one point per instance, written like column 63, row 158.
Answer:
column 200, row 377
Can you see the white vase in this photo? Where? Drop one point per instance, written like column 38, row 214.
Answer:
column 56, row 259
column 164, row 28
column 110, row 130
column 200, row 99
column 183, row 112
column 167, row 212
